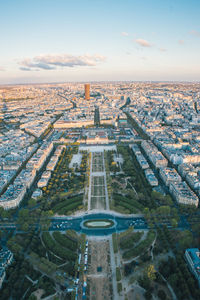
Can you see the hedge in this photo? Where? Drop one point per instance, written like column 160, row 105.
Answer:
column 67, row 202
column 57, row 249
column 65, row 241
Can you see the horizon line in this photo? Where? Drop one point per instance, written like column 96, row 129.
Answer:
column 101, row 81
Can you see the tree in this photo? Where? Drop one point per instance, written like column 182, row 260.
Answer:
column 23, row 214
column 174, row 212
column 5, row 214
column 185, row 239
column 32, row 297
column 5, row 293
column 164, row 210
column 156, row 195
column 1, row 234
column 14, row 247
column 146, row 212
column 31, row 202
column 168, row 200
column 150, row 272
column 174, row 222
column 1, row 211
column 25, row 226
column 148, row 295
column 162, row 295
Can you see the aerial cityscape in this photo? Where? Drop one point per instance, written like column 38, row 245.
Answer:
column 100, row 150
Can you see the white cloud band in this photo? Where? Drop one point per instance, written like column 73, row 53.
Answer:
column 51, row 61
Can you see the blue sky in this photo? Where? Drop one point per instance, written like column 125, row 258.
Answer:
column 86, row 40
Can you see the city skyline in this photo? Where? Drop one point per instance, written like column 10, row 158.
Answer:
column 100, row 197
column 99, row 41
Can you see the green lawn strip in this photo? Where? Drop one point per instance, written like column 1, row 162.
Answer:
column 127, row 206
column 101, row 180
column 93, row 202
column 72, row 235
column 65, row 241
column 54, row 259
column 115, row 244
column 68, row 208
column 120, row 209
column 128, row 241
column 118, row 274
column 96, row 190
column 43, row 264
column 126, row 199
column 141, row 247
column 119, row 287
column 71, row 207
column 68, row 204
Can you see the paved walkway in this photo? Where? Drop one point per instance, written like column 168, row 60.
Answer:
column 106, row 188
column 169, row 287
column 115, row 259
column 90, row 183
column 106, row 210
column 116, row 296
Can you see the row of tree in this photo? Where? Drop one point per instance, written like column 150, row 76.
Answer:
column 57, row 249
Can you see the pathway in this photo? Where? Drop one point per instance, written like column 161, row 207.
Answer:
column 97, row 169
column 90, row 183
column 113, row 270
column 106, row 188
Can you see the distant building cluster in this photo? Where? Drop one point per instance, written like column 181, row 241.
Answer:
column 36, row 118
column 169, row 115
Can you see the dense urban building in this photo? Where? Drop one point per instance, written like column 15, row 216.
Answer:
column 192, row 256
column 125, row 163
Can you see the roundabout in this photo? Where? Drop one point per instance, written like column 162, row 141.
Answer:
column 97, row 224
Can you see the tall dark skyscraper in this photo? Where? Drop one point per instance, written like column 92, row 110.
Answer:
column 87, row 91
column 96, row 116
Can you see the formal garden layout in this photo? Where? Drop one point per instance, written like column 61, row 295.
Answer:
column 134, row 264
column 97, row 162
column 97, row 196
column 98, row 192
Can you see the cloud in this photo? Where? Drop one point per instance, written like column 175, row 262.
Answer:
column 124, row 33
column 143, row 43
column 36, row 62
column 181, row 42
column 52, row 61
column 195, row 33
column 25, row 69
column 162, row 49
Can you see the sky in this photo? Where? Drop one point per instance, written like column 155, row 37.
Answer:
column 99, row 40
